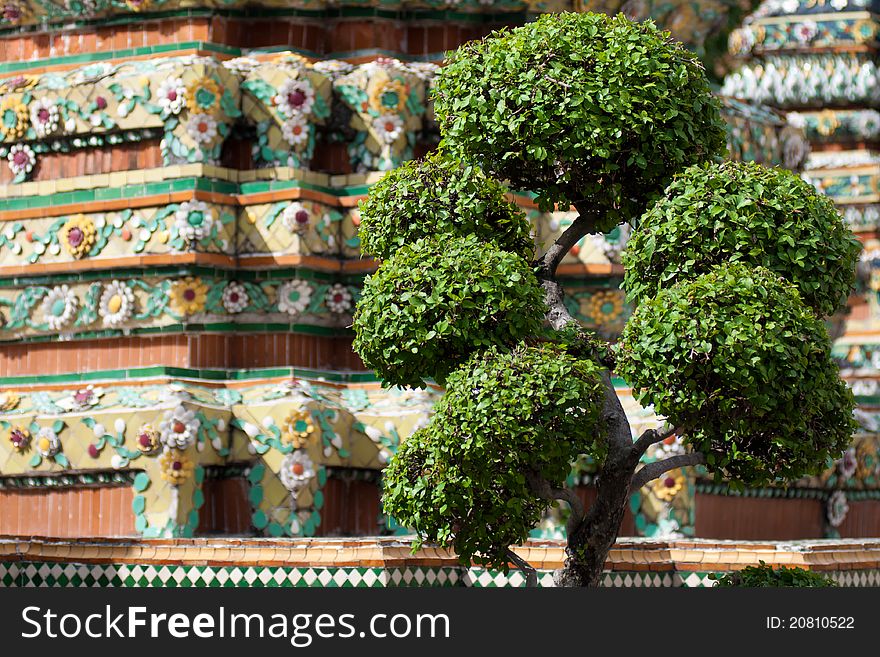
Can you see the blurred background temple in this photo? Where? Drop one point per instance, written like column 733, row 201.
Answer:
column 179, row 254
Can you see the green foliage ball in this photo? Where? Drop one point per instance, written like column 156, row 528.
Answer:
column 744, row 212
column 736, row 358
column 436, row 301
column 766, row 576
column 579, row 106
column 461, row 481
column 440, row 195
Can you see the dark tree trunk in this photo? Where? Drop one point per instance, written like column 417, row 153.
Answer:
column 590, row 542
column 589, row 545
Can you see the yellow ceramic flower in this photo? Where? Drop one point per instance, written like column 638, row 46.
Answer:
column 667, row 486
column 175, row 466
column 388, row 96
column 8, row 400
column 203, row 96
column 147, row 439
column 297, row 428
column 138, row 5
column 603, row 306
column 13, row 118
column 20, row 437
column 865, row 30
column 78, row 235
column 868, row 457
column 288, row 57
column 18, row 83
column 188, row 295
column 827, row 122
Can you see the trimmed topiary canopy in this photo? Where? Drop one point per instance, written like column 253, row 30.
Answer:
column 736, row 358
column 436, row 301
column 437, row 195
column 742, row 211
column 461, row 481
column 580, row 107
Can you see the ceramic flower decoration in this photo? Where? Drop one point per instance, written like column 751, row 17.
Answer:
column 175, row 467
column 116, row 304
column 297, row 428
column 235, row 298
column 294, row 297
column 296, row 471
column 179, row 428
column 59, row 307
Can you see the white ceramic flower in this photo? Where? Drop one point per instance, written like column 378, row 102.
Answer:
column 235, row 298
column 193, row 221
column 295, row 130
column 837, row 508
column 82, row 399
column 47, row 442
column 294, row 297
column 338, row 299
column 848, row 463
column 91, row 72
column 297, row 470
column 202, row 128
column 241, row 65
column 333, row 67
column 806, row 31
column 796, row 120
column 170, row 95
column 296, row 218
column 295, row 98
column 179, row 428
column 868, row 123
column 59, row 307
column 388, row 128
column 21, row 159
column 44, row 117
column 116, row 304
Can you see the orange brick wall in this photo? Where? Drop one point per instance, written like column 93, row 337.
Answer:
column 319, row 36
column 757, row 518
column 71, row 512
column 197, row 351
column 132, row 156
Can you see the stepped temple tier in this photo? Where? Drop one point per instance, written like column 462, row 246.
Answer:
column 179, row 265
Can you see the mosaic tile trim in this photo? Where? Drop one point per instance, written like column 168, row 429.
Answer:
column 690, row 21
column 811, row 80
column 830, row 125
column 223, row 302
column 830, row 29
column 191, row 103
column 856, row 184
column 159, row 439
column 36, row 574
column 125, row 303
column 31, row 11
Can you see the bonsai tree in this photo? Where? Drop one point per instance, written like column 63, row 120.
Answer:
column 732, row 266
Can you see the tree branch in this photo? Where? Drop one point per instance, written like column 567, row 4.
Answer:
column 527, row 569
column 578, row 229
column 542, row 488
column 657, row 468
column 652, row 436
column 557, row 314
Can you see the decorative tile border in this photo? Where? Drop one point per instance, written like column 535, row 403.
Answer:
column 386, row 562
column 802, row 80
column 126, row 303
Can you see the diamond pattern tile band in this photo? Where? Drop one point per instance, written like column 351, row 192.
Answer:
column 37, row 574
